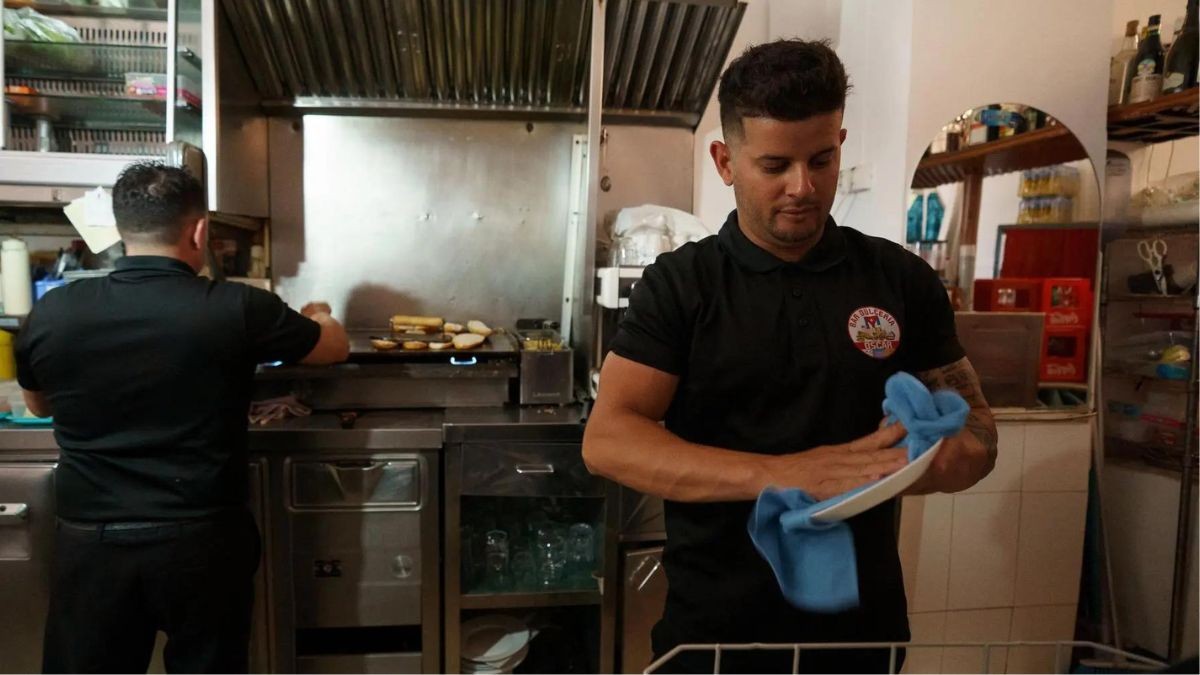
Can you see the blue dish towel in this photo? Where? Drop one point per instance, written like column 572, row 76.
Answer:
column 815, row 562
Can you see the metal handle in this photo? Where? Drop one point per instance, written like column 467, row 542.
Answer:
column 649, row 575
column 524, row 469
column 13, row 512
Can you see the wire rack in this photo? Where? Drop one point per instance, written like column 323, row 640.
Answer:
column 1110, row 657
column 82, row 60
column 93, row 141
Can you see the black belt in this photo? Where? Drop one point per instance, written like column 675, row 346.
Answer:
column 132, row 526
column 118, row 526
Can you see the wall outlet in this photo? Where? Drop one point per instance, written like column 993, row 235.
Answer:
column 844, row 179
column 862, row 177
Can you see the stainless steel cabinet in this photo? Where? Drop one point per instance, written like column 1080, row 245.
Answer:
column 27, row 517
column 504, row 484
column 362, row 544
column 26, row 546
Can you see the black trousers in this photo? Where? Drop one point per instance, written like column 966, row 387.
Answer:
column 115, row 585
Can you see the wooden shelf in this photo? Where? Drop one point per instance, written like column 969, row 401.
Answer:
column 1043, row 147
column 1166, row 118
column 564, row 598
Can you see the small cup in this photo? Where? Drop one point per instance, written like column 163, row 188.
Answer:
column 581, row 545
column 16, row 402
column 524, row 569
column 495, row 549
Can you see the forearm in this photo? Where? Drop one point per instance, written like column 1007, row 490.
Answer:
column 961, row 377
column 637, row 452
column 971, row 455
column 982, row 426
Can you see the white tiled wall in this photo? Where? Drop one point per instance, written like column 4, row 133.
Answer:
column 983, row 550
column 1000, row 562
column 928, row 555
column 1056, row 457
column 1050, row 548
column 1035, row 624
column 978, row 625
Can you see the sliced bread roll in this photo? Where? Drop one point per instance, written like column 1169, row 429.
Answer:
column 434, row 322
column 468, row 340
column 479, row 328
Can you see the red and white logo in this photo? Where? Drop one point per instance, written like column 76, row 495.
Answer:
column 1064, row 318
column 1060, row 369
column 874, row 332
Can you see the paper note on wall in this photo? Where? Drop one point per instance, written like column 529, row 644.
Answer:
column 92, row 216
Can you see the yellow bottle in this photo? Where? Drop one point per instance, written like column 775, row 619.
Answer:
column 8, row 362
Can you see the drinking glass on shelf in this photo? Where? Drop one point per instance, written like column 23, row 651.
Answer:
column 551, row 559
column 581, row 545
column 524, row 570
column 495, row 549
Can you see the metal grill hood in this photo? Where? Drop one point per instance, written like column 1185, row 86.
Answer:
column 484, row 57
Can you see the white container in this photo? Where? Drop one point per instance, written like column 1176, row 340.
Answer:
column 14, row 270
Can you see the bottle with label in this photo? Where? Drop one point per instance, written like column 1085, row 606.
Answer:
column 934, row 210
column 1122, row 63
column 916, row 220
column 1145, row 83
column 1179, row 73
column 18, row 283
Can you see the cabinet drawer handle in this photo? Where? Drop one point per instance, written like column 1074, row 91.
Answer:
column 13, row 512
column 524, row 469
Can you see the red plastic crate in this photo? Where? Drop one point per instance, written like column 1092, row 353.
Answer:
column 981, row 295
column 1064, row 354
column 1067, row 302
column 1015, row 295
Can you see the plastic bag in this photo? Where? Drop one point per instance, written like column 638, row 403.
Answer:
column 681, row 226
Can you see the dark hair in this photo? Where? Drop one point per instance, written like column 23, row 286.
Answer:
column 152, row 201
column 785, row 80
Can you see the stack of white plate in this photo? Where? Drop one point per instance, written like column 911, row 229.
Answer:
column 494, row 643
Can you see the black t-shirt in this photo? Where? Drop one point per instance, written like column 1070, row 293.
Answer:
column 149, row 373
column 776, row 357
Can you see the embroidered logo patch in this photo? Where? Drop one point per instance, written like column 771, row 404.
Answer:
column 875, row 332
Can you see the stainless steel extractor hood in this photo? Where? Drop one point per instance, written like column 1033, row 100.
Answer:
column 504, row 58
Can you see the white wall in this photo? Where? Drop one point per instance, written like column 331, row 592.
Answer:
column 876, row 45
column 1140, row 507
column 712, row 200
column 963, row 57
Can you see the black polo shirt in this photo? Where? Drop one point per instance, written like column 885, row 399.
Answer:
column 776, row 357
column 149, row 373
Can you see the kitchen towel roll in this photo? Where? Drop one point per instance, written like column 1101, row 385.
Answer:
column 815, row 562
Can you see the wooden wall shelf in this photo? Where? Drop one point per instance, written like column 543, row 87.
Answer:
column 1167, row 118
column 1042, row 147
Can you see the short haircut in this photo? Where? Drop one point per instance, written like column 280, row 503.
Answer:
column 787, row 80
column 152, row 202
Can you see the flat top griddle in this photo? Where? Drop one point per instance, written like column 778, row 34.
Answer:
column 497, row 345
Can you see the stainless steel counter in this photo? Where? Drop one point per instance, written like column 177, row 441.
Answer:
column 384, row 430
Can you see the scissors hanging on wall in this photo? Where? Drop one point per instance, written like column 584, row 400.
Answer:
column 1153, row 252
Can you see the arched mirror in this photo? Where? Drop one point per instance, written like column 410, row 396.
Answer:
column 1005, row 205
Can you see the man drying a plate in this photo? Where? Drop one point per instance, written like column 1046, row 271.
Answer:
column 765, row 350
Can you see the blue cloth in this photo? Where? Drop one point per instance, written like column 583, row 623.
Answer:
column 815, row 562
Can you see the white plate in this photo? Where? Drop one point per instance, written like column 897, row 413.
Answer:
column 493, row 639
column 879, row 492
column 505, row 666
